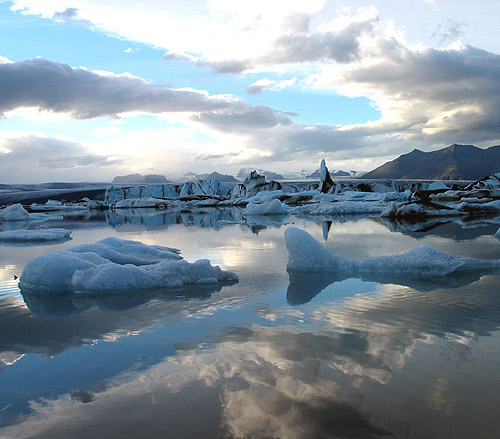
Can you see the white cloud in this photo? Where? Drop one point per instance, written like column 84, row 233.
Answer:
column 268, row 84
column 427, row 97
column 106, row 132
column 34, row 157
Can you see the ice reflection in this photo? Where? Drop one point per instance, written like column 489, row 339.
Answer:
column 214, row 218
column 456, row 229
column 305, row 286
column 53, row 305
column 208, row 217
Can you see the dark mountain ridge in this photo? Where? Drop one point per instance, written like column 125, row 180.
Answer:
column 456, row 162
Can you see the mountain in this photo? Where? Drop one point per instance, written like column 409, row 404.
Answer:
column 339, row 173
column 221, row 178
column 456, row 162
column 138, row 178
column 245, row 172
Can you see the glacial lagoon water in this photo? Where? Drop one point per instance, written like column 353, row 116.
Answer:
column 274, row 356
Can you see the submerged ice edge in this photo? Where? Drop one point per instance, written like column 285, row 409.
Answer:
column 308, row 255
column 116, row 265
column 35, row 235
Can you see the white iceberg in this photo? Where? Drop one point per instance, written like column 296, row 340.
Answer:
column 274, row 207
column 437, row 185
column 117, row 265
column 45, row 235
column 122, row 251
column 57, row 206
column 307, row 254
column 136, row 203
column 16, row 212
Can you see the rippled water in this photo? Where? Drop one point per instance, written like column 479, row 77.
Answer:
column 274, row 356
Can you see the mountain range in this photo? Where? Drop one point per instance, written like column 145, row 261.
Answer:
column 138, row 179
column 456, row 162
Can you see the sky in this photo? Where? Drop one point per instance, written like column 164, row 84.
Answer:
column 90, row 90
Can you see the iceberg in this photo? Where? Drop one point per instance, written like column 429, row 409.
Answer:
column 308, row 255
column 326, row 182
column 274, row 207
column 57, row 206
column 45, row 235
column 115, row 265
column 135, row 203
column 15, row 212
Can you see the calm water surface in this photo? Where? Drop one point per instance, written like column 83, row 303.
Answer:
column 273, row 356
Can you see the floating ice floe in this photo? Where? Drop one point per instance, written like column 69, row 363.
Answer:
column 274, row 207
column 57, row 206
column 395, row 210
column 15, row 212
column 45, row 235
column 307, row 254
column 117, row 265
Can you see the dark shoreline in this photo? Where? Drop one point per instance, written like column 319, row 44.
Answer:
column 41, row 196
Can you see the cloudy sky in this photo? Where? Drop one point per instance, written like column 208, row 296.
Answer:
column 91, row 89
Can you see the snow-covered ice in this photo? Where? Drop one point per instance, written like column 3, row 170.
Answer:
column 122, row 251
column 117, row 265
column 307, row 254
column 42, row 235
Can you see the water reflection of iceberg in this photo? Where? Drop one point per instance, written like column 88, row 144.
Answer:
column 303, row 286
column 456, row 229
column 214, row 218
column 206, row 217
column 55, row 305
